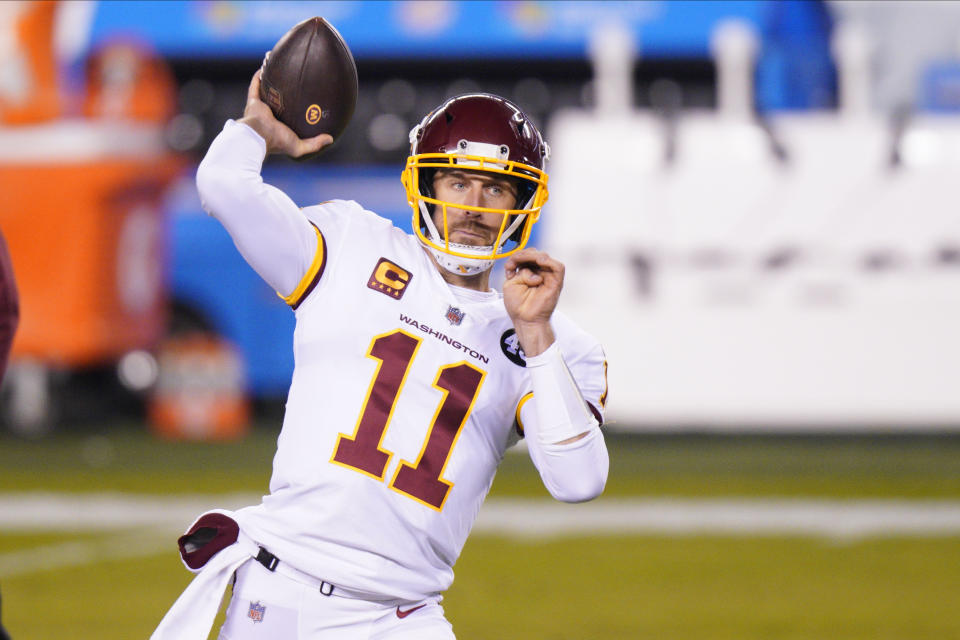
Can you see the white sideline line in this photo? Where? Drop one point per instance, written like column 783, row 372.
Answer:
column 37, row 511
column 138, row 525
column 855, row 518
column 41, row 511
column 80, row 553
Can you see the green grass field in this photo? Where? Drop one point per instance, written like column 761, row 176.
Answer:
column 608, row 586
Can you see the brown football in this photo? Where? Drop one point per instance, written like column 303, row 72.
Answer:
column 309, row 79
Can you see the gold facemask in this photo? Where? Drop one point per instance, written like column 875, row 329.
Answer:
column 515, row 223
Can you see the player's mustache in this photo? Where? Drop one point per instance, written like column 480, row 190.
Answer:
column 474, row 226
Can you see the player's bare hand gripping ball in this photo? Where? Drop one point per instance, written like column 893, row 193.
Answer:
column 309, row 80
column 279, row 137
column 530, row 294
column 308, row 84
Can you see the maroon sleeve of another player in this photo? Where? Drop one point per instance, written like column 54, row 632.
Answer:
column 9, row 305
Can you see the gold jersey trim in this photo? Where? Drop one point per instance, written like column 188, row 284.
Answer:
column 312, row 276
column 520, row 404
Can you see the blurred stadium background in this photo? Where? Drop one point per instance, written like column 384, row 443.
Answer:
column 754, row 204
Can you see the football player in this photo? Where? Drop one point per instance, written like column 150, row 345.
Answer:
column 412, row 379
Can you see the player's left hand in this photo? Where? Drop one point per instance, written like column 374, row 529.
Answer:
column 530, row 294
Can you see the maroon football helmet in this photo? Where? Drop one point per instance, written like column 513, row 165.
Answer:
column 479, row 132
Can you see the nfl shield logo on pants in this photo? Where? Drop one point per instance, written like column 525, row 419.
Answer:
column 256, row 611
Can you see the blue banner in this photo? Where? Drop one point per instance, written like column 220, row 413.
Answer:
column 417, row 28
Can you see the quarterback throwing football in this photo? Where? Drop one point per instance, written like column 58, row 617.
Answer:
column 412, row 379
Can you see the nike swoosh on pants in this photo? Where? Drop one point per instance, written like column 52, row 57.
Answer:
column 404, row 614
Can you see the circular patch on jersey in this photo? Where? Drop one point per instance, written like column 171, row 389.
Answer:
column 510, row 345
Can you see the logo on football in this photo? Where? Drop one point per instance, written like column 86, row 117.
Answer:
column 309, row 80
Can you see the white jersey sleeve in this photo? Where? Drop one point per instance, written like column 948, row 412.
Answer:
column 268, row 228
column 576, row 470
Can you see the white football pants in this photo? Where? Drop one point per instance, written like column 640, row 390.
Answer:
column 269, row 606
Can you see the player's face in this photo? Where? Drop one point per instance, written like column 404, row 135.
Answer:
column 476, row 189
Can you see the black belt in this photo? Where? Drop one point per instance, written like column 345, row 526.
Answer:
column 271, row 562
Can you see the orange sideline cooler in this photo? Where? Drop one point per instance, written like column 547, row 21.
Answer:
column 81, row 209
column 86, row 241
column 81, row 203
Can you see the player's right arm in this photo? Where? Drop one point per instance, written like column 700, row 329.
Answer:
column 267, row 227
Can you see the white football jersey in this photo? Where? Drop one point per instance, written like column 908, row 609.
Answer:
column 405, row 396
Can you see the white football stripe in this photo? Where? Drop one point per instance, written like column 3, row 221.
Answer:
column 37, row 511
column 813, row 517
column 527, row 516
column 78, row 553
column 144, row 525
